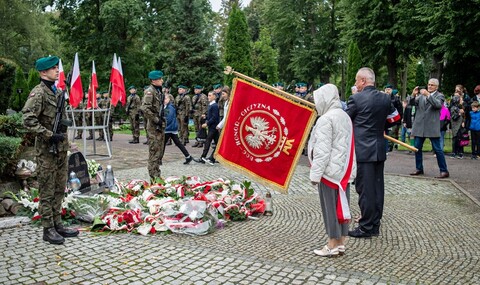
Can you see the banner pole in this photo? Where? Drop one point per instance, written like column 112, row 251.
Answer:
column 400, row 143
column 229, row 70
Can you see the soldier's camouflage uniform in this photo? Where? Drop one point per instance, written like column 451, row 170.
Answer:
column 183, row 104
column 199, row 108
column 38, row 117
column 133, row 107
column 152, row 108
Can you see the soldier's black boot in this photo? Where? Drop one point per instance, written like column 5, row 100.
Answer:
column 51, row 235
column 134, row 141
column 89, row 138
column 78, row 137
column 66, row 232
column 146, row 142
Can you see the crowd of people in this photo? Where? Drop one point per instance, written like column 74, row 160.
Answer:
column 346, row 144
column 372, row 113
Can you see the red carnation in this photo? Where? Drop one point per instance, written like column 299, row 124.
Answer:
column 36, row 199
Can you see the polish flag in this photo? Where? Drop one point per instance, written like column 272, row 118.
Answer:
column 76, row 90
column 61, row 76
column 116, row 79
column 92, row 89
column 122, row 83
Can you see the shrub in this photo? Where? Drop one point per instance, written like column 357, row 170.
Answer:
column 9, row 151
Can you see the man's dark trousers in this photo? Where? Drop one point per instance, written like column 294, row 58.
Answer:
column 370, row 186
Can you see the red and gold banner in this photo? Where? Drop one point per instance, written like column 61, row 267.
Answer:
column 264, row 134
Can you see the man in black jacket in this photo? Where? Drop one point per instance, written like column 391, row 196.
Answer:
column 369, row 110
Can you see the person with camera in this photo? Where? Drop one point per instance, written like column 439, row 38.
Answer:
column 428, row 102
column 39, row 115
column 152, row 108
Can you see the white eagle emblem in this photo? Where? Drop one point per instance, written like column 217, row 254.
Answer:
column 260, row 135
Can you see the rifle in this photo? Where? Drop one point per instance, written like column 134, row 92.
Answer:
column 58, row 115
column 160, row 112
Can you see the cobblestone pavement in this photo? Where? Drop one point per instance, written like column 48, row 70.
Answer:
column 430, row 235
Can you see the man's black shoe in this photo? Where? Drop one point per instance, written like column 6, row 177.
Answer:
column 200, row 160
column 66, row 232
column 51, row 235
column 188, row 160
column 359, row 233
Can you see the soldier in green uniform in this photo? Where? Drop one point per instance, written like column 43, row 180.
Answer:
column 217, row 89
column 145, row 120
column 183, row 105
column 133, row 106
column 199, row 108
column 303, row 92
column 38, row 117
column 152, row 108
column 278, row 85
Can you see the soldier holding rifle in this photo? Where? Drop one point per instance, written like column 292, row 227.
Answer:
column 43, row 114
column 152, row 108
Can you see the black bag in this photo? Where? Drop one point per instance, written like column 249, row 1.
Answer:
column 444, row 125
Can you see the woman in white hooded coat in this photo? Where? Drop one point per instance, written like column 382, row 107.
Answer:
column 331, row 151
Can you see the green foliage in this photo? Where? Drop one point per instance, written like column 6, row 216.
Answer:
column 7, row 77
column 19, row 91
column 33, row 79
column 9, row 150
column 238, row 44
column 265, row 59
column 25, row 32
column 354, row 63
column 191, row 58
column 420, row 78
column 11, row 125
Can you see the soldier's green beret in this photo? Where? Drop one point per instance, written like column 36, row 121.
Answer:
column 216, row 86
column 198, row 87
column 45, row 63
column 155, row 74
column 394, row 92
column 388, row 86
column 131, row 87
column 301, row 84
column 182, row 86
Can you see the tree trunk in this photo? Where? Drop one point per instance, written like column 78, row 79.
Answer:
column 437, row 68
column 392, row 65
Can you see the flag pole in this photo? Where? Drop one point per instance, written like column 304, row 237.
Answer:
column 229, row 71
column 401, row 143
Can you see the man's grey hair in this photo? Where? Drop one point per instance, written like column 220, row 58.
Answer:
column 435, row 81
column 368, row 74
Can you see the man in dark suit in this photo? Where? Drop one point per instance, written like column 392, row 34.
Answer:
column 369, row 110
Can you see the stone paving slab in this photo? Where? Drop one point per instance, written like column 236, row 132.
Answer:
column 430, row 235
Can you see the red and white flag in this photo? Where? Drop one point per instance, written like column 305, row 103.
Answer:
column 118, row 86
column 76, row 90
column 264, row 134
column 61, row 76
column 92, row 89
